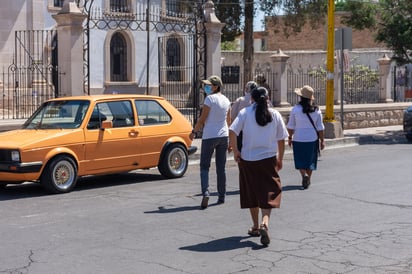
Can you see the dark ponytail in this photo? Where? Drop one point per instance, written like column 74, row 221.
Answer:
column 263, row 115
column 307, row 105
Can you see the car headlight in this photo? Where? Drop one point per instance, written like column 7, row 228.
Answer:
column 15, row 156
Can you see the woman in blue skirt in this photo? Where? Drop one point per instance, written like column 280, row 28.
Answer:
column 306, row 134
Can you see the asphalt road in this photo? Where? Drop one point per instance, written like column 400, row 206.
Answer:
column 355, row 218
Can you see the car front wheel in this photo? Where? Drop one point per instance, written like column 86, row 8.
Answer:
column 60, row 175
column 174, row 162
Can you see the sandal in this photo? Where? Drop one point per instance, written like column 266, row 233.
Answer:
column 254, row 232
column 265, row 240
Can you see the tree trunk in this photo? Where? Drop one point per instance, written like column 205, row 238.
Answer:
column 248, row 43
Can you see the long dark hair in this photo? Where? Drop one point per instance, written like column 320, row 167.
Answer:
column 263, row 116
column 307, row 105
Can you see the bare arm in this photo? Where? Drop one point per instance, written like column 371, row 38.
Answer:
column 229, row 121
column 322, row 139
column 281, row 152
column 233, row 144
column 290, row 131
column 201, row 122
column 229, row 117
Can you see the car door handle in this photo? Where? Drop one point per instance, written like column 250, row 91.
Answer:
column 133, row 133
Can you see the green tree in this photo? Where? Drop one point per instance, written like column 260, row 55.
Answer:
column 391, row 19
column 296, row 12
column 230, row 13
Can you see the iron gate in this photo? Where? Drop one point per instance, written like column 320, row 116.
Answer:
column 179, row 79
column 33, row 76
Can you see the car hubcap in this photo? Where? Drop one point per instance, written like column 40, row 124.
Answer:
column 63, row 174
column 177, row 160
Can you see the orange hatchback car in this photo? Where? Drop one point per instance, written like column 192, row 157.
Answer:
column 100, row 134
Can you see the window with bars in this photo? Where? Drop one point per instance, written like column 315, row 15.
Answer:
column 176, row 7
column 173, row 53
column 119, row 6
column 58, row 3
column 118, row 58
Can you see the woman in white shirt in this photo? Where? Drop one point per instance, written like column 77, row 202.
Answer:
column 214, row 120
column 263, row 147
column 239, row 104
column 306, row 130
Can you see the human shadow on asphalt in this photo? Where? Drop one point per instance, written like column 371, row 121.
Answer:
column 294, row 187
column 224, row 244
column 30, row 190
column 162, row 209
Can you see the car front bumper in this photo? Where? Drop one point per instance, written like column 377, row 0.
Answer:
column 21, row 167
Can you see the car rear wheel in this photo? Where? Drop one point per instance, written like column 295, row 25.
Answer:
column 60, row 175
column 174, row 162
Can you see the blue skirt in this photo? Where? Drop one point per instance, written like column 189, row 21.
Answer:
column 305, row 154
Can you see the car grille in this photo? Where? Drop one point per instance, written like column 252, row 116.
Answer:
column 5, row 155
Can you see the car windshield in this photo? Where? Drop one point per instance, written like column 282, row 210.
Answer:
column 65, row 114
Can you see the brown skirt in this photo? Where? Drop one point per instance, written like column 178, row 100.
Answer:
column 259, row 184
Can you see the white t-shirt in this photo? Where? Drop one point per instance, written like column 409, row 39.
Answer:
column 259, row 142
column 216, row 124
column 300, row 123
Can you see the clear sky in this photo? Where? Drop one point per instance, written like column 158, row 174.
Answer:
column 257, row 23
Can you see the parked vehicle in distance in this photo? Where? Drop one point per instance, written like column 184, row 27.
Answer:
column 407, row 123
column 69, row 137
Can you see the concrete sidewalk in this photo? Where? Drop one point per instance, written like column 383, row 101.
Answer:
column 352, row 137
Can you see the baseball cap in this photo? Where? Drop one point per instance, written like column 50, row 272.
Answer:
column 213, row 80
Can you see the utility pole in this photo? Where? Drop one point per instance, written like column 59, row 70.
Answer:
column 330, row 63
column 248, row 50
column 333, row 129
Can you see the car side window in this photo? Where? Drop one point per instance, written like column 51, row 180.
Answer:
column 96, row 119
column 150, row 112
column 119, row 112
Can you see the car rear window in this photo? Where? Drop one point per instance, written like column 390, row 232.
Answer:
column 150, row 112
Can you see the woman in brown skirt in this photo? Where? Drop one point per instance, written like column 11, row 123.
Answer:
column 263, row 146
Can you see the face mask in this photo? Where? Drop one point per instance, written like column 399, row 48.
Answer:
column 208, row 89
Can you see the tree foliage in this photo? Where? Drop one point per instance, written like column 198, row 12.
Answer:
column 393, row 21
column 229, row 12
column 296, row 12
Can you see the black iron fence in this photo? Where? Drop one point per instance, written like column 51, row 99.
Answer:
column 361, row 85
column 233, row 81
column 23, row 89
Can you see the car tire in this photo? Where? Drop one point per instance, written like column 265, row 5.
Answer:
column 60, row 175
column 409, row 138
column 174, row 161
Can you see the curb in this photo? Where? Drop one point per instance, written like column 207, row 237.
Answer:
column 396, row 137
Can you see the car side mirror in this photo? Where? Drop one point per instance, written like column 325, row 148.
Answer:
column 106, row 124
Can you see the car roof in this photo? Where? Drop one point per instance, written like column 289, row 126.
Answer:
column 98, row 97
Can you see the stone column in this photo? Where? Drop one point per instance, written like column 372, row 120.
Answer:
column 70, row 55
column 385, row 79
column 213, row 37
column 280, row 87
